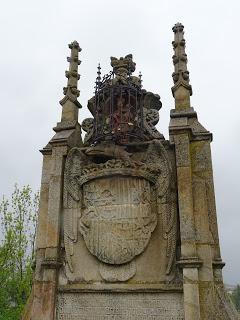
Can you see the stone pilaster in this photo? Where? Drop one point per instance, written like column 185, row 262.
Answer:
column 41, row 305
column 200, row 252
column 189, row 261
column 180, row 136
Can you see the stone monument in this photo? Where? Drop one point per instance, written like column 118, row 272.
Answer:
column 127, row 225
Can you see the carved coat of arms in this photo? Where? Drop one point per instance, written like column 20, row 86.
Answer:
column 117, row 221
column 113, row 204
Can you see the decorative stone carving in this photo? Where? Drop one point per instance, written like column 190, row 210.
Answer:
column 151, row 100
column 74, row 166
column 118, row 226
column 117, row 273
column 111, row 203
column 151, row 106
column 181, row 74
column 151, row 118
column 122, row 68
column 122, row 234
column 71, row 92
column 108, row 151
column 170, row 229
column 88, row 127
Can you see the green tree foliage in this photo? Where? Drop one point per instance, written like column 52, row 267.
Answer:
column 235, row 296
column 18, row 227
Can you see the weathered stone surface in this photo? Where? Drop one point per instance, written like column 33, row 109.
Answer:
column 119, row 306
column 118, row 221
column 182, row 150
column 113, row 206
column 117, row 273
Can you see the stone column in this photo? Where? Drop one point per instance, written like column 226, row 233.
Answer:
column 48, row 235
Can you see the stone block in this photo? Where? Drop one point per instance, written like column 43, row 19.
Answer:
column 120, row 306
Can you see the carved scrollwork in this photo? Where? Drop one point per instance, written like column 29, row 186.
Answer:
column 170, row 229
column 165, row 194
column 76, row 161
column 157, row 159
column 150, row 119
column 151, row 107
column 88, row 127
column 151, row 100
column 72, row 200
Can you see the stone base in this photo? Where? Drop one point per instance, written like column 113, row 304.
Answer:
column 120, row 306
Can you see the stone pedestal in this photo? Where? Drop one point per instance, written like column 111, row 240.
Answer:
column 127, row 225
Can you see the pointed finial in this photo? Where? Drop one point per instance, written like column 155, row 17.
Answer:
column 178, row 27
column 71, row 92
column 98, row 79
column 181, row 90
column 140, row 78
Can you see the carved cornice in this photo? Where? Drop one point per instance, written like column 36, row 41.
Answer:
column 218, row 264
column 51, row 263
column 122, row 287
column 66, row 125
column 64, row 137
column 190, row 113
column 189, row 262
column 47, row 150
column 187, row 121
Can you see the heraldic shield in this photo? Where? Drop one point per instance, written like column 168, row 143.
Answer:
column 113, row 204
column 117, row 221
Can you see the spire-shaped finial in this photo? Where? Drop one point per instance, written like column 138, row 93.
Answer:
column 181, row 90
column 71, row 92
column 98, row 79
column 140, row 78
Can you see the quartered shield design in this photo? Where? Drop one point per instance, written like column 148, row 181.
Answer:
column 117, row 220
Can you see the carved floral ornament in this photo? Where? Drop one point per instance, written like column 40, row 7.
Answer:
column 112, row 204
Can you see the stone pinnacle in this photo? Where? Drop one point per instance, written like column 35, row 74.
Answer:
column 181, row 73
column 71, row 92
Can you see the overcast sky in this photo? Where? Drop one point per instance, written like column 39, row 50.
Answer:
column 34, row 39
